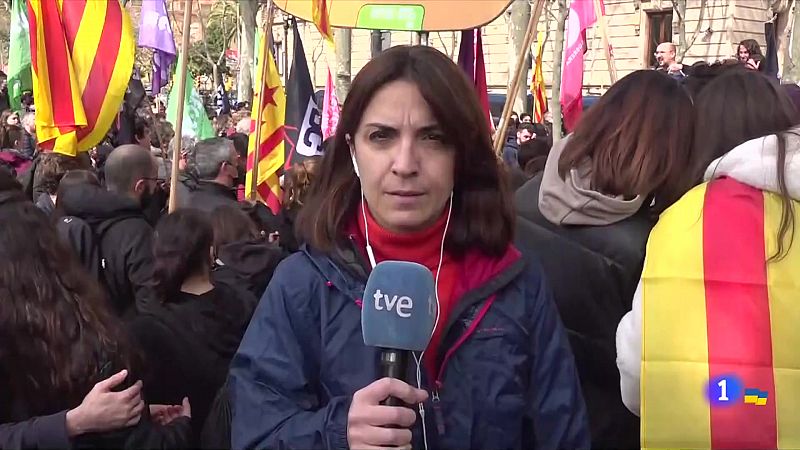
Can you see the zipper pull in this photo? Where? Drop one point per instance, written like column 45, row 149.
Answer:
column 437, row 412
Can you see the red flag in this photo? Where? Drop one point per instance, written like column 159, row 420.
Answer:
column 581, row 17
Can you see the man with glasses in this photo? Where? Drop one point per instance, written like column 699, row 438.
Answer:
column 666, row 60
column 112, row 224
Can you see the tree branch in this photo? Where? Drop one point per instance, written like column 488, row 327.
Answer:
column 696, row 29
column 207, row 55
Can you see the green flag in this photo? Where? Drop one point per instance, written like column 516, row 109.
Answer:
column 195, row 119
column 19, row 57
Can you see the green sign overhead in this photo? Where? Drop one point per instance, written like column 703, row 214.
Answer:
column 391, row 17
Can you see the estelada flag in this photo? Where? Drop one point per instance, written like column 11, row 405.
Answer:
column 538, row 83
column 321, row 12
column 715, row 306
column 303, row 117
column 270, row 97
column 82, row 56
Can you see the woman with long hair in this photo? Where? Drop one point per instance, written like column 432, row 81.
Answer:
column 58, row 337
column 588, row 217
column 243, row 255
column 296, row 187
column 747, row 49
column 411, row 176
column 10, row 130
column 715, row 313
column 189, row 342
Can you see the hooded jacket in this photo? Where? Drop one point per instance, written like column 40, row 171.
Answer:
column 507, row 378
column 745, row 181
column 599, row 240
column 248, row 263
column 125, row 238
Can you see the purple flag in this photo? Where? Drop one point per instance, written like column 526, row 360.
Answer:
column 155, row 31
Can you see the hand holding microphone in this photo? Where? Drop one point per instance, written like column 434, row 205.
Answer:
column 398, row 317
column 370, row 424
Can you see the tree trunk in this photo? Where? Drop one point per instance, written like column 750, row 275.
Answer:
column 791, row 70
column 520, row 16
column 216, row 76
column 679, row 7
column 343, row 39
column 375, row 43
column 247, row 24
column 558, row 57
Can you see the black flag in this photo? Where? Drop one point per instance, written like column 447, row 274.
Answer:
column 303, row 117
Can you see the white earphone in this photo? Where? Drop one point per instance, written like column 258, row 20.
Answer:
column 352, row 155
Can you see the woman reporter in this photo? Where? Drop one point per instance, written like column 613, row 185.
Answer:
column 427, row 189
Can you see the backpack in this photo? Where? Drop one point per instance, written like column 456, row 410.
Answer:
column 85, row 242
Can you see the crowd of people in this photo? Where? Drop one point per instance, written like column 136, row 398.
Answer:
column 223, row 325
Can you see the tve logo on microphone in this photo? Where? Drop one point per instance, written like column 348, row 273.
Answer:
column 404, row 303
column 399, row 310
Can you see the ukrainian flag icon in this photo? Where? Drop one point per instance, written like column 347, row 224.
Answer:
column 755, row 397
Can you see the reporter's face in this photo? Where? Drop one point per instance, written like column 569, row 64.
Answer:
column 404, row 159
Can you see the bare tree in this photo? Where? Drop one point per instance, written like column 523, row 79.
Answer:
column 218, row 17
column 519, row 18
column 247, row 24
column 679, row 7
column 791, row 65
column 558, row 58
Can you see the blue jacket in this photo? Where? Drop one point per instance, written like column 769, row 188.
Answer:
column 507, row 377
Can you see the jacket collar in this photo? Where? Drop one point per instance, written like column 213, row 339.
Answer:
column 215, row 188
column 755, row 163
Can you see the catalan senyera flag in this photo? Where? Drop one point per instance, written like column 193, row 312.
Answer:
column 713, row 305
column 320, row 10
column 270, row 96
column 538, row 82
column 82, row 56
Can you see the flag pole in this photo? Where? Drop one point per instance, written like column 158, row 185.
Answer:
column 176, row 155
column 601, row 18
column 500, row 134
column 260, row 112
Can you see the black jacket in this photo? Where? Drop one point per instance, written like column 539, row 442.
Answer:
column 593, row 272
column 125, row 240
column 45, row 203
column 205, row 195
column 189, row 344
column 248, row 263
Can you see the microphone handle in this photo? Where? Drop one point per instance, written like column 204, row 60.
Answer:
column 394, row 364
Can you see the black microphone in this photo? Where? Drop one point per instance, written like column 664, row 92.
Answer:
column 398, row 315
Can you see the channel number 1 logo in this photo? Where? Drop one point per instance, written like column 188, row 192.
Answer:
column 727, row 390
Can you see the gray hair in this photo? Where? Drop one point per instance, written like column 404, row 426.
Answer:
column 209, row 154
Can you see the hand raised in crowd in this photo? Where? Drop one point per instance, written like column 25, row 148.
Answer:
column 103, row 409
column 165, row 414
column 369, row 424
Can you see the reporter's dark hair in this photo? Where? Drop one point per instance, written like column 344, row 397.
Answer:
column 723, row 121
column 636, row 140
column 181, row 248
column 482, row 216
column 58, row 332
column 231, row 224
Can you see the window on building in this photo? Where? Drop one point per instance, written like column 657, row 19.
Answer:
column 659, row 25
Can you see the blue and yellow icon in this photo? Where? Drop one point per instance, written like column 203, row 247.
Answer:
column 755, row 397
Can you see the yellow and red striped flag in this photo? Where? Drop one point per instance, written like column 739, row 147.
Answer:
column 270, row 96
column 321, row 12
column 715, row 309
column 537, row 83
column 82, row 56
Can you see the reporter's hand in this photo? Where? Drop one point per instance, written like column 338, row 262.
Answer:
column 104, row 410
column 368, row 421
column 165, row 414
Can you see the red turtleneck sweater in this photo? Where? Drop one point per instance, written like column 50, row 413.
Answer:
column 421, row 247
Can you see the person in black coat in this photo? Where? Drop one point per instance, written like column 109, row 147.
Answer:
column 218, row 169
column 588, row 216
column 118, row 225
column 59, row 340
column 243, row 255
column 189, row 342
